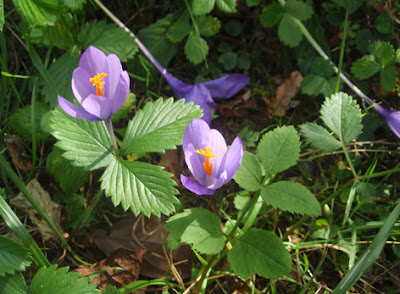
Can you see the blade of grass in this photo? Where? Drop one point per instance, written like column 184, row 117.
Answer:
column 33, row 99
column 370, row 255
column 342, row 46
column 22, row 234
column 21, row 186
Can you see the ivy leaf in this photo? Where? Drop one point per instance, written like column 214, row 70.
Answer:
column 228, row 59
column 196, row 48
column 365, row 67
column 249, row 174
column 227, row 6
column 319, row 137
column 288, row 31
column 292, row 197
column 85, row 143
column 279, row 149
column 389, row 77
column 298, row 9
column 38, row 13
column 261, row 252
column 13, row 284
column 60, row 72
column 140, row 186
column 384, row 24
column 199, row 227
column 180, row 28
column 208, row 25
column 52, row 280
column 202, row 7
column 271, row 14
column 343, row 116
column 13, row 257
column 159, row 126
column 108, row 38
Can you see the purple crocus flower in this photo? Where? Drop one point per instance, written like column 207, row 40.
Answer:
column 392, row 118
column 208, row 159
column 100, row 86
column 200, row 94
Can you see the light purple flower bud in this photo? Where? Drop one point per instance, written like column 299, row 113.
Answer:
column 208, row 158
column 99, row 84
column 200, row 94
column 392, row 118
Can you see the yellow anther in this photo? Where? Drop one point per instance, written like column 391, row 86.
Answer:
column 207, row 165
column 96, row 80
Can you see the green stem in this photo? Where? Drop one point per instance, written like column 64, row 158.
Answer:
column 110, row 130
column 33, row 129
column 21, row 186
column 342, row 46
column 346, row 154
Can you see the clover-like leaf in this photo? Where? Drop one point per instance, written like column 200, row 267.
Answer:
column 292, row 197
column 261, row 252
column 271, row 14
column 288, row 31
column 140, row 186
column 13, row 284
column 319, row 137
column 198, row 227
column 196, row 48
column 298, row 9
column 159, row 126
column 249, row 174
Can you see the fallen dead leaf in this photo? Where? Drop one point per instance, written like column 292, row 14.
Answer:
column 52, row 209
column 239, row 107
column 170, row 162
column 284, row 94
column 140, row 233
column 128, row 260
column 17, row 152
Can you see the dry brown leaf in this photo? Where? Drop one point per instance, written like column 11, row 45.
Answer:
column 284, row 95
column 17, row 152
column 170, row 162
column 139, row 233
column 129, row 260
column 52, row 209
column 239, row 107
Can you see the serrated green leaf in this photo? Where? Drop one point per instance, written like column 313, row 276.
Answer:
column 389, row 76
column 384, row 24
column 20, row 121
column 159, row 126
column 208, row 25
column 69, row 177
column 249, row 174
column 365, row 67
column 52, row 280
column 73, row 4
column 13, row 284
column 343, row 116
column 351, row 5
column 202, row 7
column 252, row 3
column 319, row 137
column 261, row 252
column 56, row 35
column 140, row 186
column 180, row 28
column 111, row 290
column 322, row 67
column 314, row 85
column 60, row 72
column 196, row 48
column 122, row 113
column 398, row 56
column 288, row 31
column 365, row 189
column 292, row 197
column 271, row 14
column 85, row 143
column 298, row 9
column 279, row 149
column 108, row 38
column 383, row 52
column 38, row 13
column 228, row 59
column 13, row 257
column 198, row 227
column 227, row 6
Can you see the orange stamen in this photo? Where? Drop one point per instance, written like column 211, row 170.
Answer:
column 207, row 165
column 96, row 80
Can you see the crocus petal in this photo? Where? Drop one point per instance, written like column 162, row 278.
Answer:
column 121, row 92
column 392, row 118
column 81, row 84
column 233, row 159
column 200, row 95
column 94, row 61
column 218, row 147
column 195, row 164
column 75, row 110
column 98, row 106
column 195, row 187
column 179, row 88
column 227, row 86
column 195, row 134
column 114, row 71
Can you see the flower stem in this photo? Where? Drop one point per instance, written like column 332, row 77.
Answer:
column 112, row 136
column 346, row 154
